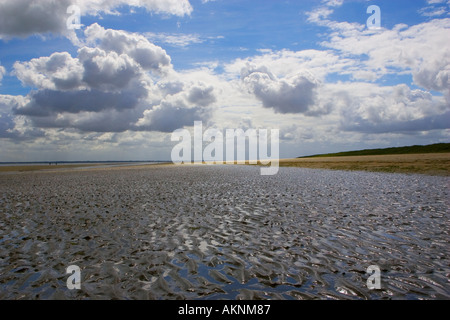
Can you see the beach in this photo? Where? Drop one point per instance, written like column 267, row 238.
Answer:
column 223, row 232
column 426, row 163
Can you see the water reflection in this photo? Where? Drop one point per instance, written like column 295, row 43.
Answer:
column 223, row 232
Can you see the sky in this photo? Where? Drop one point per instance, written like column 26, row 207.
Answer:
column 116, row 83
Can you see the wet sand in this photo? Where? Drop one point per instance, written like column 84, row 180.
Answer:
column 223, row 232
column 81, row 166
column 22, row 168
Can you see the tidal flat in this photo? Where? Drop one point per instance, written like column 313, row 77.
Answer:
column 223, row 232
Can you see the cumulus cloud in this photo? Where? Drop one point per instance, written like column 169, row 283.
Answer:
column 15, row 127
column 99, row 80
column 118, row 58
column 107, row 71
column 59, row 71
column 398, row 108
column 169, row 116
column 434, row 74
column 7, row 123
column 419, row 50
column 118, row 81
column 182, row 108
column 21, row 18
column 289, row 95
column 428, row 123
column 149, row 56
column 201, row 95
column 287, row 63
column 2, row 73
column 108, row 121
column 48, row 102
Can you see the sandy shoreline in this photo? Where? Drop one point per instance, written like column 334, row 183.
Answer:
column 72, row 167
column 430, row 163
column 436, row 164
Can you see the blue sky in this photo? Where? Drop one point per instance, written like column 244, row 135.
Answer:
column 117, row 87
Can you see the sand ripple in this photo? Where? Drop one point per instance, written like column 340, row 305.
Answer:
column 223, row 232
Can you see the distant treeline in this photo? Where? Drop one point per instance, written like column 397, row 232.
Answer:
column 432, row 148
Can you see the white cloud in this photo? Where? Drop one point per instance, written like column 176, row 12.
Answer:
column 2, row 73
column 179, row 39
column 119, row 81
column 319, row 15
column 59, row 71
column 117, row 59
column 173, row 7
column 14, row 127
column 436, row 8
column 108, row 70
column 148, row 55
column 357, row 106
column 171, row 115
column 421, row 50
column 272, row 78
column 176, row 40
column 432, row 12
column 370, row 108
column 333, row 3
column 289, row 95
column 184, row 105
column 22, row 18
column 120, row 85
column 287, row 63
